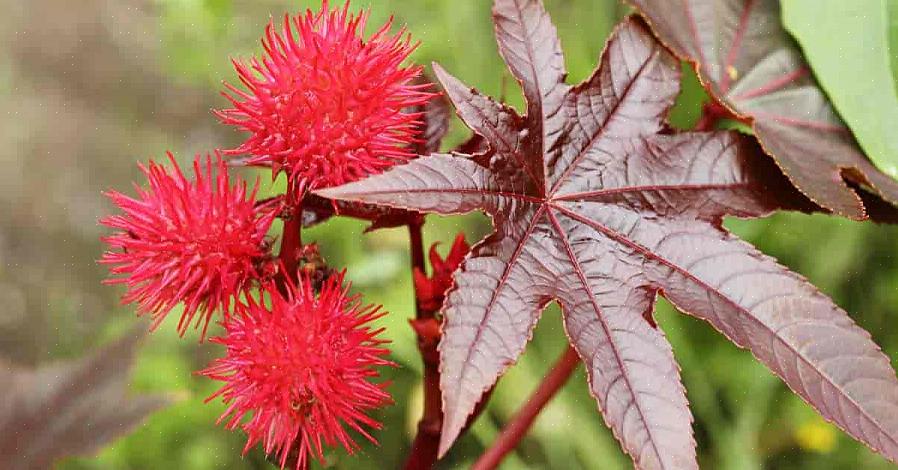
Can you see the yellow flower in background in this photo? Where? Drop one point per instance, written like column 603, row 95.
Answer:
column 816, row 435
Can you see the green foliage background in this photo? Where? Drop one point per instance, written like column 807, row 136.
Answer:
column 840, row 37
column 745, row 417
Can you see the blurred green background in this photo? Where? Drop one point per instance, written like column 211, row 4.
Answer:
column 91, row 87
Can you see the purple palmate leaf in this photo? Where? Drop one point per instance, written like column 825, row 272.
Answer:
column 435, row 116
column 597, row 205
column 70, row 408
column 748, row 61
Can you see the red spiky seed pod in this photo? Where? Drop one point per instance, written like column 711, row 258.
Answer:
column 432, row 290
column 302, row 365
column 325, row 104
column 200, row 242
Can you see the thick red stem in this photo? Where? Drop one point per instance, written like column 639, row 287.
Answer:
column 291, row 244
column 423, row 455
column 291, row 247
column 515, row 429
column 424, row 449
column 416, row 243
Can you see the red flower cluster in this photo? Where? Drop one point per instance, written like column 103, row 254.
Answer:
column 200, row 242
column 325, row 104
column 302, row 367
column 431, row 291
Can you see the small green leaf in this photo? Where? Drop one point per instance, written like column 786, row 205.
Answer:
column 847, row 45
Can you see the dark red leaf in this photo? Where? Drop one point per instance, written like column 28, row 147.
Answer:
column 69, row 408
column 435, row 125
column 598, row 206
column 748, row 61
column 474, row 144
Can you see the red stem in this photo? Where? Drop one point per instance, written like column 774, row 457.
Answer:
column 712, row 113
column 423, row 455
column 291, row 243
column 707, row 122
column 424, row 449
column 416, row 243
column 520, row 423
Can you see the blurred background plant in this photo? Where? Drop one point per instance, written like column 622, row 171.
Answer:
column 90, row 89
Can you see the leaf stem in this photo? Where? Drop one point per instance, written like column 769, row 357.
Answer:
column 712, row 113
column 520, row 423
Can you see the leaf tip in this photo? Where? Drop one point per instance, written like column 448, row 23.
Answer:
column 446, row 441
column 441, row 74
column 330, row 193
column 453, row 423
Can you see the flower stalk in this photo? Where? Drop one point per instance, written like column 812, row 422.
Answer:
column 291, row 244
column 427, row 440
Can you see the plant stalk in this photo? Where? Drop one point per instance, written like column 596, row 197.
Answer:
column 416, row 243
column 520, row 423
column 424, row 448
column 291, row 243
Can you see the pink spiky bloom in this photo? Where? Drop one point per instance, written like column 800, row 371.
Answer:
column 199, row 242
column 302, row 365
column 325, row 104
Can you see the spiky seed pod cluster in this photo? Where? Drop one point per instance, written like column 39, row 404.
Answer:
column 200, row 242
column 301, row 364
column 325, row 104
